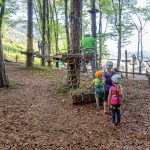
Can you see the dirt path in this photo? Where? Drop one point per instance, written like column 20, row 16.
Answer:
column 33, row 117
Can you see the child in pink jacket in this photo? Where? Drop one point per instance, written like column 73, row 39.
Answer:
column 115, row 98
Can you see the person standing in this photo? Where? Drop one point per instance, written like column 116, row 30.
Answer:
column 98, row 88
column 115, row 99
column 88, row 44
column 107, row 82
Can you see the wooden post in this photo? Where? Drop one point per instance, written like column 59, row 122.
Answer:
column 133, row 65
column 148, row 78
column 16, row 58
column 126, row 63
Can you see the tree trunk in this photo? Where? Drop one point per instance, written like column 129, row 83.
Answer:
column 118, row 26
column 120, row 36
column 66, row 23
column 3, row 77
column 56, row 31
column 29, row 62
column 37, row 11
column 74, row 63
column 43, row 32
column 81, row 21
column 93, row 27
column 2, row 10
column 48, row 33
column 141, row 49
column 138, row 50
column 119, row 51
column 140, row 41
column 93, row 18
column 100, row 38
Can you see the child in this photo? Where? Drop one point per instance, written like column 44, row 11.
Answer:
column 98, row 88
column 114, row 98
column 107, row 82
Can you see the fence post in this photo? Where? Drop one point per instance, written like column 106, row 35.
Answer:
column 148, row 75
column 149, row 79
column 133, row 69
column 126, row 63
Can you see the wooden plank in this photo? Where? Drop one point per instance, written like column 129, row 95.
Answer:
column 36, row 54
column 25, row 52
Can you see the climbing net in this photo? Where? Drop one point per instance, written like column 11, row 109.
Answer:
column 73, row 59
column 76, row 81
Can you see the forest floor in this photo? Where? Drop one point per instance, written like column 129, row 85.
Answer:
column 34, row 117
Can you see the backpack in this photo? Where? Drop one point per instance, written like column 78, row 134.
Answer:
column 115, row 96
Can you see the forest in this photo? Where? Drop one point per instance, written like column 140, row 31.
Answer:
column 46, row 99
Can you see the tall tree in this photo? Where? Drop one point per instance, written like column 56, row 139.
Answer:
column 104, row 12
column 29, row 62
column 66, row 23
column 100, row 33
column 118, row 25
column 43, row 32
column 93, row 18
column 3, row 77
column 48, row 33
column 56, row 28
column 121, row 22
column 93, row 12
column 74, row 66
column 38, row 13
column 142, row 15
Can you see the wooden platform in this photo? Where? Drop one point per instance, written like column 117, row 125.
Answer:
column 58, row 58
column 64, row 57
column 36, row 54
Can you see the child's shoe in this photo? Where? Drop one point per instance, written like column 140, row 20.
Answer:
column 118, row 124
column 97, row 107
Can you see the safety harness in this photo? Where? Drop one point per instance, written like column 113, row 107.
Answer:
column 116, row 106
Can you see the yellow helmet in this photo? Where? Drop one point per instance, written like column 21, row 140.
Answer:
column 98, row 74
